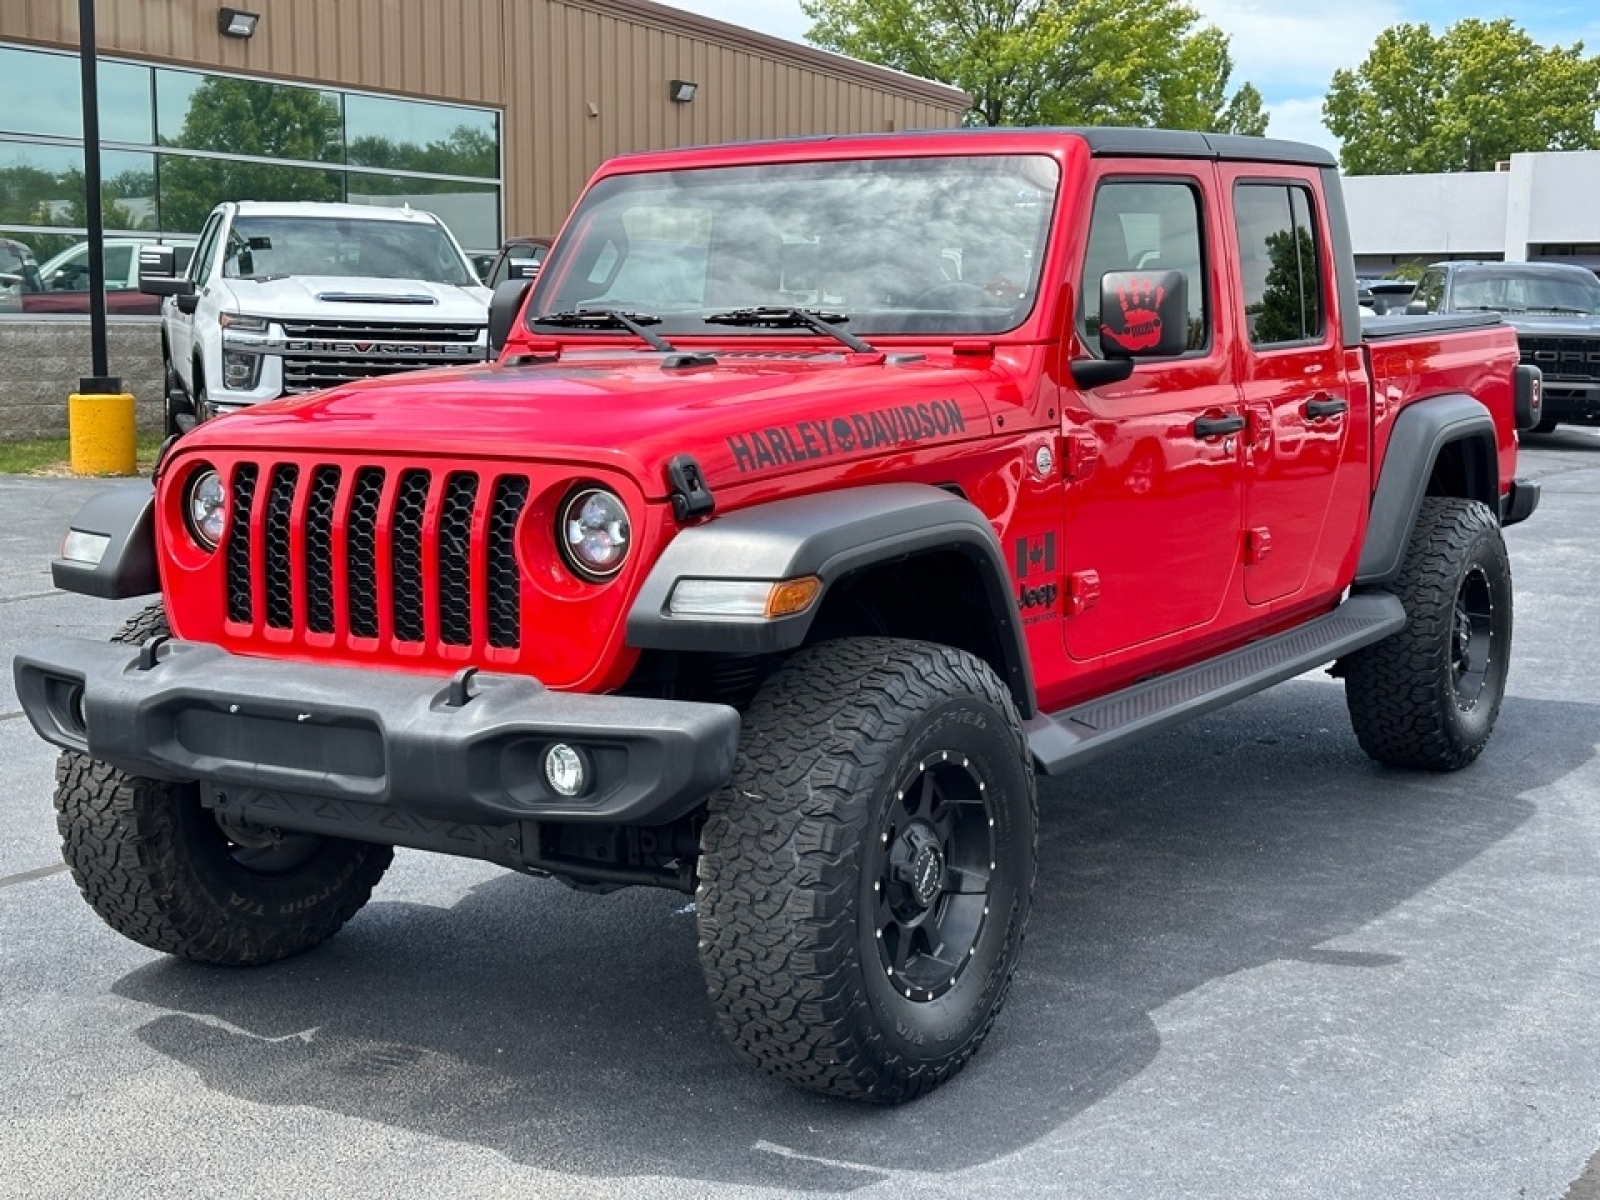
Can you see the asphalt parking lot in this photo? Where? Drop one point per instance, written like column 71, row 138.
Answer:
column 1259, row 966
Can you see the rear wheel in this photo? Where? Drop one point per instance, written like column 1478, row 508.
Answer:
column 160, row 869
column 866, row 878
column 1429, row 695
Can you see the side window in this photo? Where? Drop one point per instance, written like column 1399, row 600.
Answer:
column 119, row 265
column 200, row 264
column 1280, row 264
column 1141, row 225
column 1430, row 290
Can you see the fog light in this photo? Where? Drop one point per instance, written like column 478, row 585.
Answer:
column 565, row 770
column 84, row 547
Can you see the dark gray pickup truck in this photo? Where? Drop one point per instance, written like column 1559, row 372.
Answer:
column 1555, row 309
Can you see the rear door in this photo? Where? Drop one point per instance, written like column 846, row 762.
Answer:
column 1154, row 485
column 1301, row 401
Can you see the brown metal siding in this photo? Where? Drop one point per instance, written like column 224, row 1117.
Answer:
column 578, row 80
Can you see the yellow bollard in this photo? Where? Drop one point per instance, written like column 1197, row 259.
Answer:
column 100, row 431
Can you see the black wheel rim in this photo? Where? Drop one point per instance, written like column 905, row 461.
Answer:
column 1472, row 646
column 932, row 866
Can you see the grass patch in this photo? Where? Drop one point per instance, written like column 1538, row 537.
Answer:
column 53, row 456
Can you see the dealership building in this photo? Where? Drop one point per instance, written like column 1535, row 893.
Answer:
column 490, row 113
column 1534, row 208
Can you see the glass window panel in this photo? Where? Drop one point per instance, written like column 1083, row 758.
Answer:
column 248, row 116
column 128, row 190
column 1277, row 266
column 1145, row 227
column 407, row 135
column 41, row 185
column 39, row 93
column 126, row 113
column 470, row 210
column 192, row 187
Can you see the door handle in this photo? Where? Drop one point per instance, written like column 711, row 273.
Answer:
column 1324, row 406
column 1210, row 427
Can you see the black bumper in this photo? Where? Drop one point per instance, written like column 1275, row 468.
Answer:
column 403, row 743
column 1518, row 504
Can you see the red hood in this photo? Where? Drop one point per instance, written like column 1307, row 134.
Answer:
column 753, row 415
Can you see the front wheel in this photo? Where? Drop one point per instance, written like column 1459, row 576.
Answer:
column 175, row 402
column 865, row 879
column 1428, row 696
column 160, row 869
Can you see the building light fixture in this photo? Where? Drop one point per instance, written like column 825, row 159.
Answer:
column 236, row 23
column 682, row 91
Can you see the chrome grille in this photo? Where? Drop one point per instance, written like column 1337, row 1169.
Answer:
column 319, row 354
column 368, row 542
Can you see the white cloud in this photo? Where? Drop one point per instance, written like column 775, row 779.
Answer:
column 780, row 18
column 1301, row 121
column 1283, row 50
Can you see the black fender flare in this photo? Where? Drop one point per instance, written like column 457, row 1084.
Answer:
column 1421, row 432
column 831, row 535
column 124, row 516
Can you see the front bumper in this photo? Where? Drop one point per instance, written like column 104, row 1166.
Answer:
column 464, row 751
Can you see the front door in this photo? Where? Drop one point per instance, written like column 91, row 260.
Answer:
column 1154, row 490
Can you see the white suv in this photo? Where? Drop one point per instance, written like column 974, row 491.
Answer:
column 282, row 298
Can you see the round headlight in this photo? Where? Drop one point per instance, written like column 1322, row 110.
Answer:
column 594, row 533
column 208, row 508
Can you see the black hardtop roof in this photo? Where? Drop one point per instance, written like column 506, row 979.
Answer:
column 1108, row 141
column 1113, row 142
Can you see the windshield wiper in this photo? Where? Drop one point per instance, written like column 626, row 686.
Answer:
column 1562, row 310
column 611, row 318
column 774, row 317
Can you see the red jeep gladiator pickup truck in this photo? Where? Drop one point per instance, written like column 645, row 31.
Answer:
column 823, row 493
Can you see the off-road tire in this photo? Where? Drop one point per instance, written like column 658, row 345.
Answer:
column 1427, row 697
column 1545, row 425
column 159, row 869
column 855, row 758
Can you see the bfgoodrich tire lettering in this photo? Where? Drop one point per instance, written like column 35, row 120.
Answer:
column 1428, row 696
column 160, row 870
column 866, row 878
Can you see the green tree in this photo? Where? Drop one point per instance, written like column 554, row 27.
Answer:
column 241, row 116
column 1044, row 62
column 467, row 151
column 1477, row 93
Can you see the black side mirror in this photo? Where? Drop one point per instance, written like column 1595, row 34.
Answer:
column 158, row 274
column 503, row 310
column 188, row 302
column 1144, row 314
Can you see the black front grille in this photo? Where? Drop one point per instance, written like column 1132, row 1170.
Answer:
column 241, row 602
column 412, row 522
column 1563, row 357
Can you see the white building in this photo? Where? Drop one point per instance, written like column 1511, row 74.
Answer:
column 1535, row 207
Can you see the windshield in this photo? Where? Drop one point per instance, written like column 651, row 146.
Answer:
column 340, row 247
column 911, row 245
column 1575, row 292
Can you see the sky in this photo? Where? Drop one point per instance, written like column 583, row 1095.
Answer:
column 1288, row 50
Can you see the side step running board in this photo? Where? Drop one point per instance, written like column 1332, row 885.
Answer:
column 1065, row 739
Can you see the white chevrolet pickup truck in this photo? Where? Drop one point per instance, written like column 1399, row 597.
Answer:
column 283, row 298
